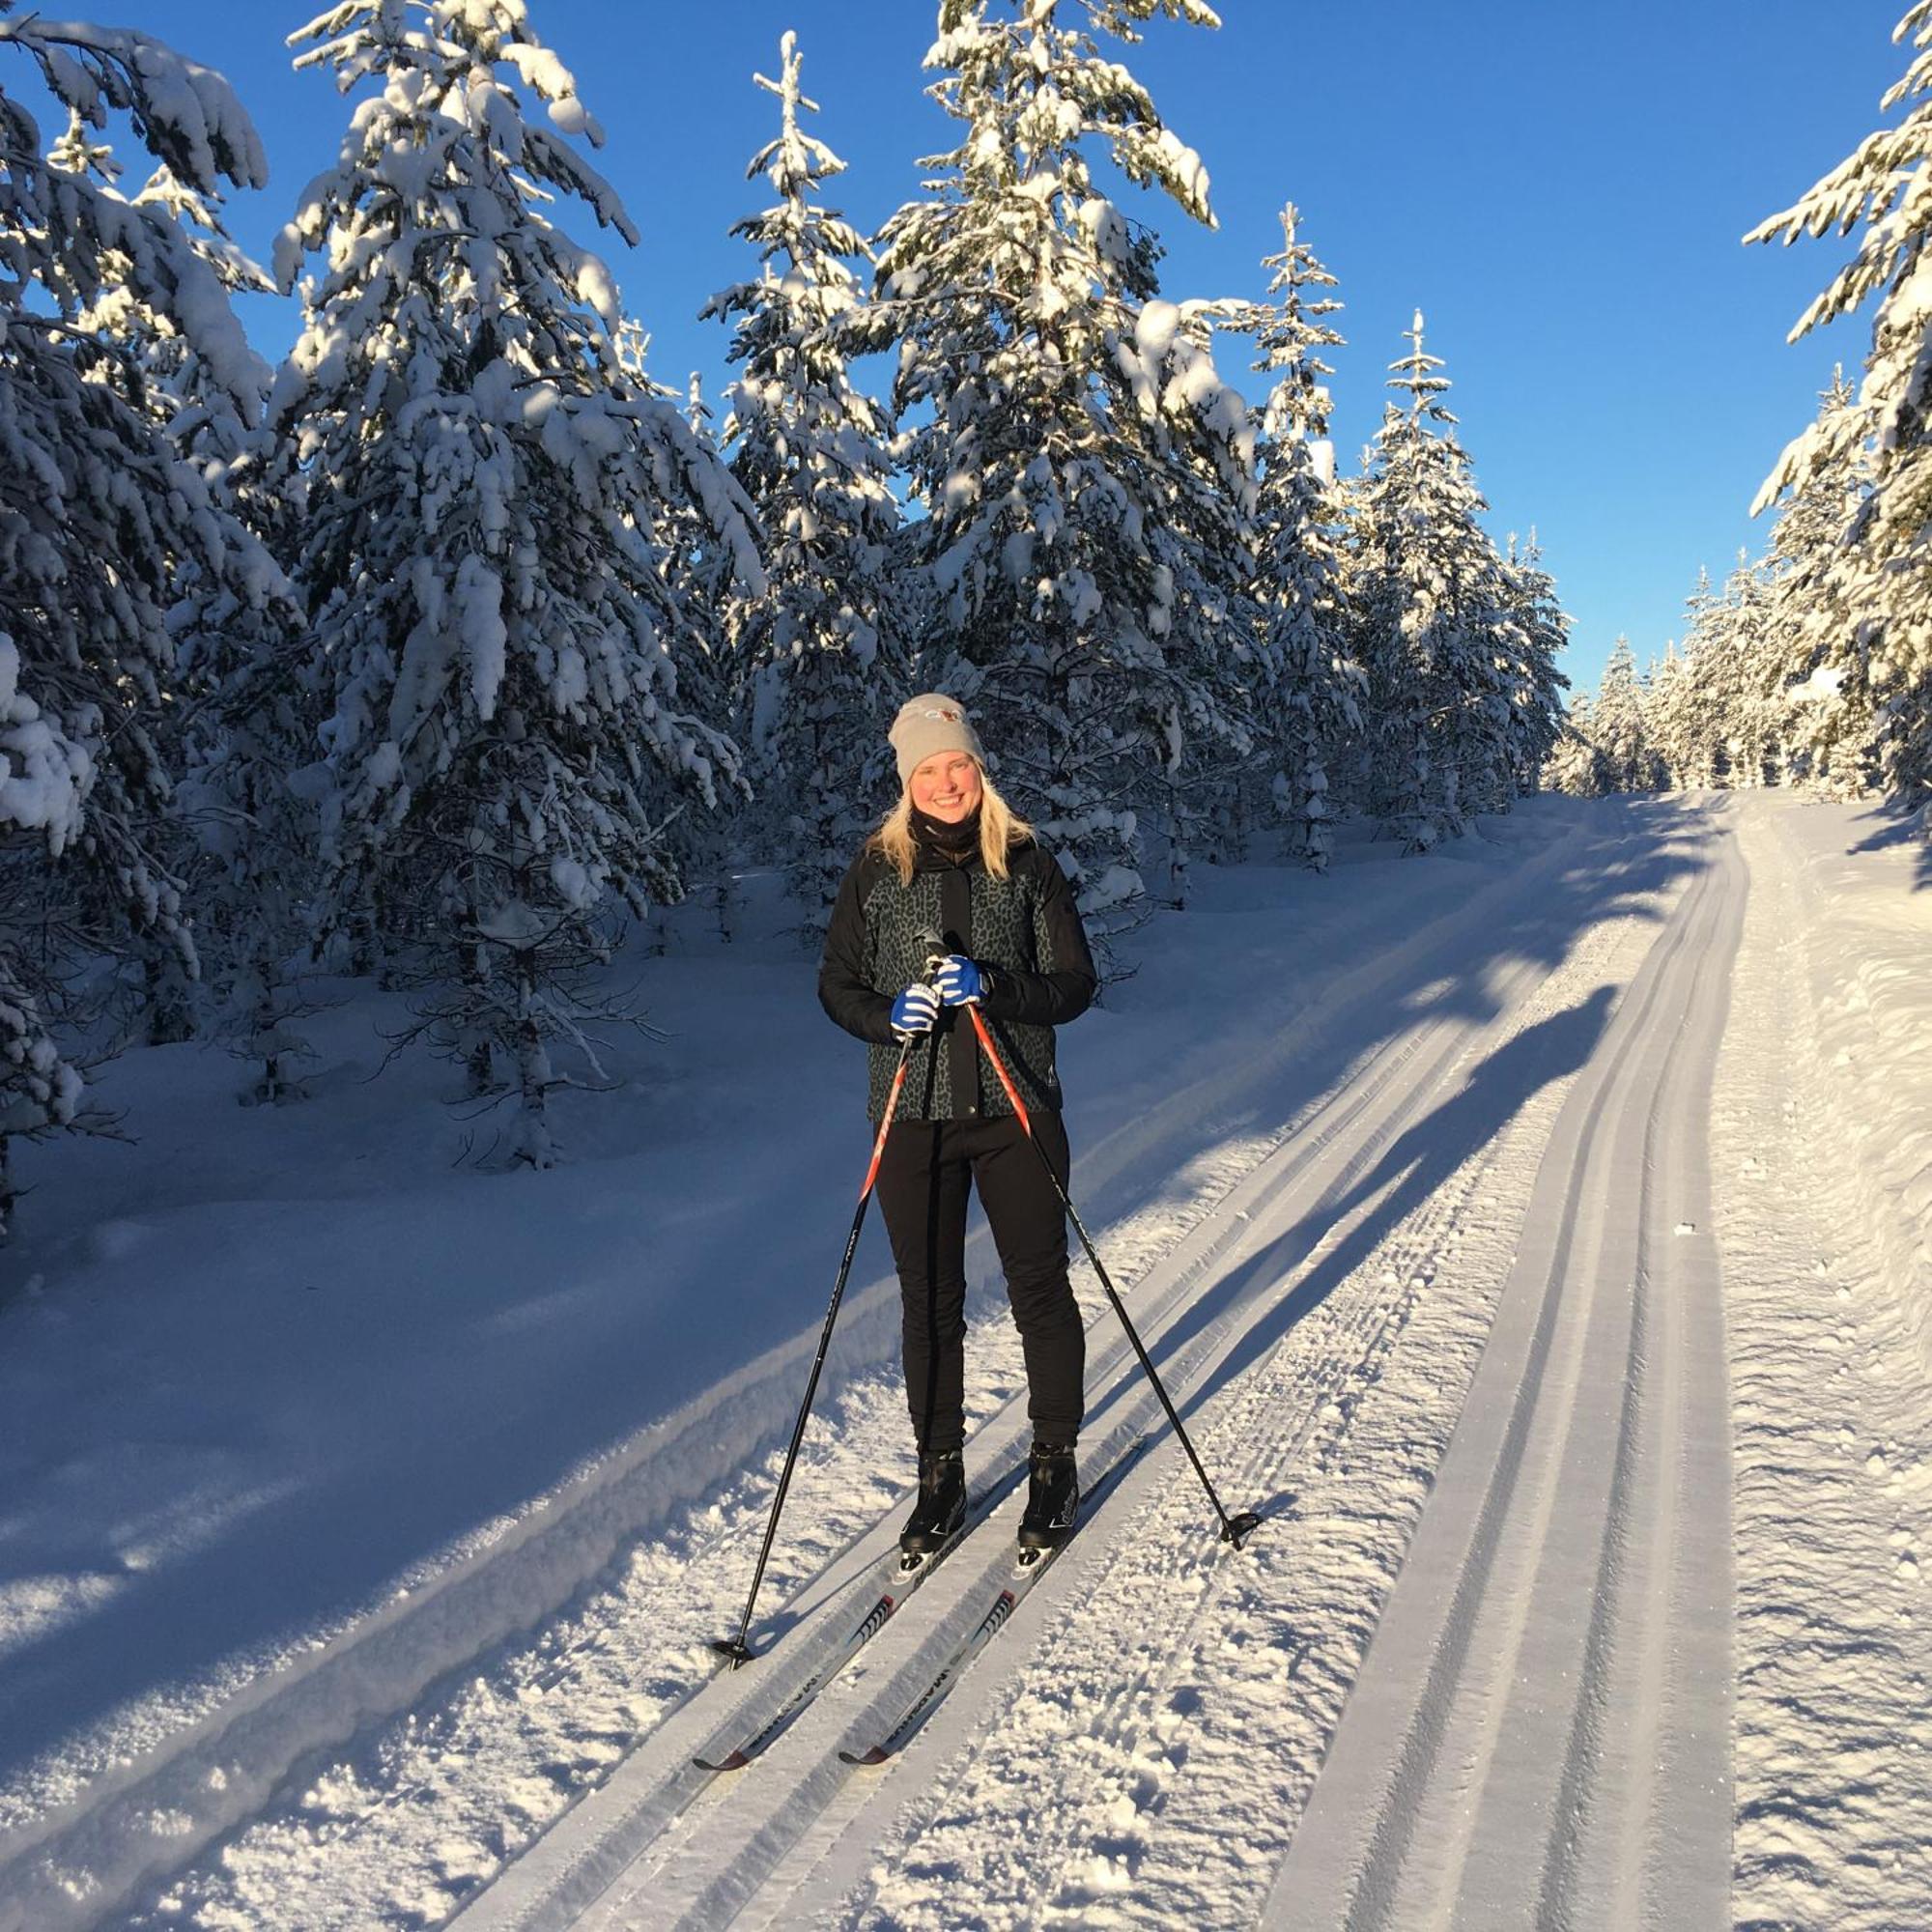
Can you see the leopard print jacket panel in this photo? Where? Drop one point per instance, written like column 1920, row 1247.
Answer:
column 1025, row 928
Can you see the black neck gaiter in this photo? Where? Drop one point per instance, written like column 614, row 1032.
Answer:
column 956, row 842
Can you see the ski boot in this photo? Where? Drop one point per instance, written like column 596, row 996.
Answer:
column 1053, row 1500
column 941, row 1509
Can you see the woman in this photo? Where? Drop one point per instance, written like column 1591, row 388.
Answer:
column 951, row 860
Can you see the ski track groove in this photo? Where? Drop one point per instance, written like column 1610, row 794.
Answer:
column 1170, row 1617
column 1402, row 1260
column 1441, row 1849
column 280, row 1802
column 1577, row 1787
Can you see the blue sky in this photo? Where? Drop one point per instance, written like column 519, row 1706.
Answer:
column 1560, row 187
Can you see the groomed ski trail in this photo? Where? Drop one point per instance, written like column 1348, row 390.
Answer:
column 1180, row 1703
column 1317, row 1283
column 1540, row 1732
column 1297, row 1296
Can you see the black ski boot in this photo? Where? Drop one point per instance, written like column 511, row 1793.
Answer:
column 1053, row 1496
column 941, row 1503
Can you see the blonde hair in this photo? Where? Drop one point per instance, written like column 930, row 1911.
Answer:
column 1001, row 829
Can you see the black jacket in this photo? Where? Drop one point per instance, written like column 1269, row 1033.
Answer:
column 1024, row 927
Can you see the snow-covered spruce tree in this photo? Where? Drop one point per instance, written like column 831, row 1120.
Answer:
column 1433, row 611
column 1201, row 439
column 1695, row 729
column 1308, row 686
column 155, row 366
column 250, row 693
column 1620, row 729
column 1667, row 711
column 97, row 518
column 1536, row 685
column 157, row 363
column 818, row 659
column 1754, row 746
column 1730, row 715
column 1819, row 664
column 703, row 574
column 1576, row 766
column 1060, row 425
column 1882, row 583
column 241, row 719
column 491, row 502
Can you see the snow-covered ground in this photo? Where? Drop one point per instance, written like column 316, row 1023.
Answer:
column 1536, row 1233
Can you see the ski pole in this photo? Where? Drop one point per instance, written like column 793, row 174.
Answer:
column 736, row 1648
column 1235, row 1529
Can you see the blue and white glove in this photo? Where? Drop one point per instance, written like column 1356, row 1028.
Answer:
column 915, row 1011
column 957, row 982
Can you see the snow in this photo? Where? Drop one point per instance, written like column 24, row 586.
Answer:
column 365, row 1513
column 46, row 777
column 477, row 595
column 1156, row 328
column 1820, row 1133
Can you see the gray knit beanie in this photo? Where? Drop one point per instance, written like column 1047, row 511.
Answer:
column 928, row 724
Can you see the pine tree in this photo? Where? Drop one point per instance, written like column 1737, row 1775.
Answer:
column 1820, row 665
column 1753, row 746
column 1309, row 686
column 251, row 750
column 242, row 718
column 153, row 363
column 1200, row 440
column 96, row 517
column 1432, row 607
column 1619, row 729
column 1729, row 714
column 1062, row 426
column 1576, row 766
column 1880, row 582
column 819, row 660
column 1536, row 686
column 1701, row 722
column 491, row 509
column 1669, row 715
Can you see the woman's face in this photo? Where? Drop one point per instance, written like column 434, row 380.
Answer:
column 947, row 787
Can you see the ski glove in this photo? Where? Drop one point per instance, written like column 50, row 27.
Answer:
column 958, row 980
column 915, row 1011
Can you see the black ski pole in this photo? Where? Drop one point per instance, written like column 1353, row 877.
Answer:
column 1235, row 1529
column 736, row 1648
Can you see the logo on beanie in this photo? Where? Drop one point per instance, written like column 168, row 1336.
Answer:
column 945, row 717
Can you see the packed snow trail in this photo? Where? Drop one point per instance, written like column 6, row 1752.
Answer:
column 1434, row 1274
column 1540, row 1735
column 1271, row 1320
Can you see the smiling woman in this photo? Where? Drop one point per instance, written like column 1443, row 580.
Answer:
column 954, row 903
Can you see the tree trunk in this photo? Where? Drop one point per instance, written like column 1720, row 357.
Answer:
column 534, row 1145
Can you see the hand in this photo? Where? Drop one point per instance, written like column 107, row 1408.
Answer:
column 957, row 982
column 915, row 1011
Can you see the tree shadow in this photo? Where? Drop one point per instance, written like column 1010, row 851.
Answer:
column 348, row 1524
column 1899, row 825
column 1415, row 1164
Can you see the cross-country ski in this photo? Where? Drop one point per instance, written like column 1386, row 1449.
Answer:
column 902, row 1576
column 1029, row 1564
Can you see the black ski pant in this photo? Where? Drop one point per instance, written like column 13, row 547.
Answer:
column 930, row 1169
